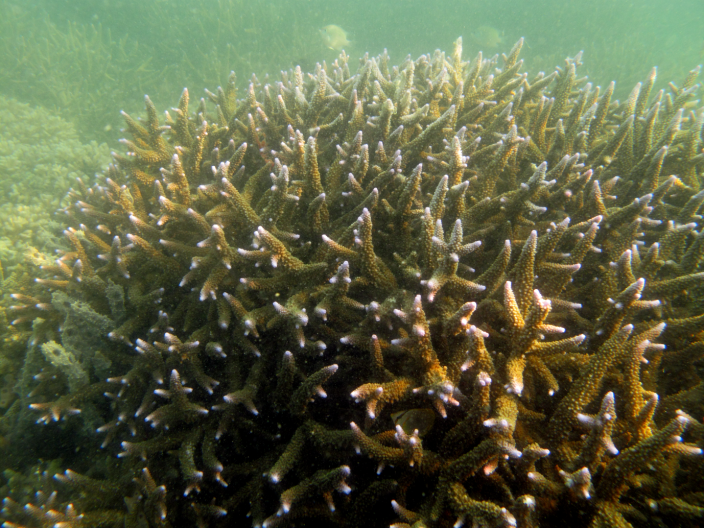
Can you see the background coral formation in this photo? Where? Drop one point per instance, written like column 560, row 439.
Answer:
column 259, row 284
column 40, row 158
column 64, row 56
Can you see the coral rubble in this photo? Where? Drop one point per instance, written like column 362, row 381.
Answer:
column 295, row 279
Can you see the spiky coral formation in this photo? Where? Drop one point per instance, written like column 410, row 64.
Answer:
column 510, row 252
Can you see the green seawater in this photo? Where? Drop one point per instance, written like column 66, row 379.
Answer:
column 160, row 46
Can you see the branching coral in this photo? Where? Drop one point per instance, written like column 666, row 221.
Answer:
column 518, row 255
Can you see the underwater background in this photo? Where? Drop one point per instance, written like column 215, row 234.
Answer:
column 362, row 281
column 89, row 59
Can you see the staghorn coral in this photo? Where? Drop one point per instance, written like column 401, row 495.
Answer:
column 519, row 255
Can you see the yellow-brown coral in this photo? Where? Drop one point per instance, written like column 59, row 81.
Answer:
column 326, row 259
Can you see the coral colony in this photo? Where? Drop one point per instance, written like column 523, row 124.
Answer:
column 432, row 294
